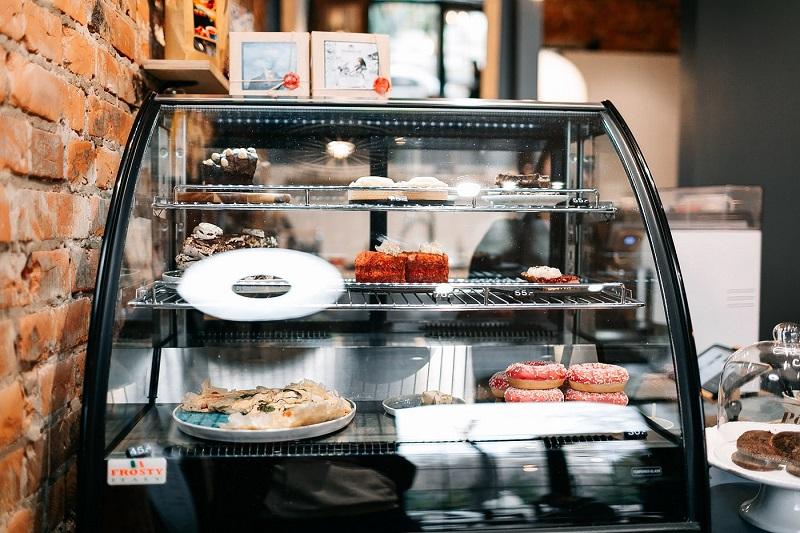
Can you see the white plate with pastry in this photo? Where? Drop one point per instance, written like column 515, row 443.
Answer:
column 297, row 411
column 395, row 403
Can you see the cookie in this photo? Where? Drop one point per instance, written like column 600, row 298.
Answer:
column 757, row 444
column 787, row 443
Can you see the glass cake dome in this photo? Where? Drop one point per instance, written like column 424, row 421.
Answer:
column 761, row 382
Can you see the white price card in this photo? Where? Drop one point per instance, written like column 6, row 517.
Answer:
column 141, row 471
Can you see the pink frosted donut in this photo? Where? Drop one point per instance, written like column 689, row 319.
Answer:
column 533, row 395
column 597, row 377
column 536, row 375
column 616, row 398
column 498, row 383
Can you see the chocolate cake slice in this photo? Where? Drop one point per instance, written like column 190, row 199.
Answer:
column 754, row 451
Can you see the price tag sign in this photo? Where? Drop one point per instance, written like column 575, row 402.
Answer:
column 142, row 471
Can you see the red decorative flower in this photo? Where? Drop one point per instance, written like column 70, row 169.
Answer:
column 291, row 81
column 381, row 85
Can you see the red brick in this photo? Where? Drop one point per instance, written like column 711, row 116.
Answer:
column 21, row 522
column 79, row 53
column 8, row 363
column 80, row 159
column 12, row 412
column 3, row 77
column 116, row 77
column 34, row 89
column 5, row 209
column 108, row 121
column 47, row 155
column 98, row 209
column 42, row 32
column 37, row 215
column 56, row 503
column 76, row 323
column 77, row 9
column 39, row 388
column 53, row 274
column 52, row 330
column 62, row 439
column 15, row 142
column 117, row 29
column 84, row 265
column 11, row 475
column 75, row 108
column 35, row 464
column 37, row 335
column 15, row 280
column 12, row 19
column 106, row 167
column 63, row 385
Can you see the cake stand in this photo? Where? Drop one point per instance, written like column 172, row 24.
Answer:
column 776, row 507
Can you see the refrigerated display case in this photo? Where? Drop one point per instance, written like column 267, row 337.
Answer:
column 244, row 273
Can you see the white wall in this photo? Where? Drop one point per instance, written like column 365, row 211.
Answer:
column 646, row 90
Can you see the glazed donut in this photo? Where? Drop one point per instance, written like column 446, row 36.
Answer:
column 597, row 377
column 498, row 383
column 536, row 375
column 533, row 395
column 616, row 398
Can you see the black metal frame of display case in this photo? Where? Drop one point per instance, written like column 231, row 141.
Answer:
column 93, row 448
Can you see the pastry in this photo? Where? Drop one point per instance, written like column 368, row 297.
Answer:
column 373, row 194
column 748, row 462
column 424, row 189
column 498, row 383
column 533, row 395
column 207, row 239
column 615, row 398
column 238, row 164
column 523, row 181
column 387, row 264
column 209, row 197
column 429, row 265
column 546, row 274
column 754, row 451
column 787, row 443
column 232, row 165
column 390, row 263
column 434, row 397
column 597, row 377
column 536, row 375
column 298, row 404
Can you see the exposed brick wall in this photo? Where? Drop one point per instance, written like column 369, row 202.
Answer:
column 622, row 25
column 69, row 85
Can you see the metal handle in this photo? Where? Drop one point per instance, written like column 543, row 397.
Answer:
column 787, row 333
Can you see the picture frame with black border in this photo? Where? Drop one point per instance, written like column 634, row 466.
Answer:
column 270, row 64
column 350, row 65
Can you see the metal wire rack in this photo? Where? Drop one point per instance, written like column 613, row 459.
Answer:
column 457, row 295
column 336, row 197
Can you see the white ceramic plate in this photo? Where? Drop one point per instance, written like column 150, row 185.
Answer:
column 263, row 435
column 392, row 405
column 543, row 199
column 720, row 448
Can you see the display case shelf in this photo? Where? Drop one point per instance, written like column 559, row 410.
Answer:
column 330, row 197
column 457, row 295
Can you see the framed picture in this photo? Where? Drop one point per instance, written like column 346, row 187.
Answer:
column 269, row 64
column 350, row 64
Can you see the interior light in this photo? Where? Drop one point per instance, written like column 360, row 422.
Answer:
column 451, row 17
column 468, row 189
column 400, row 141
column 595, row 287
column 529, row 468
column 340, row 149
column 557, row 185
